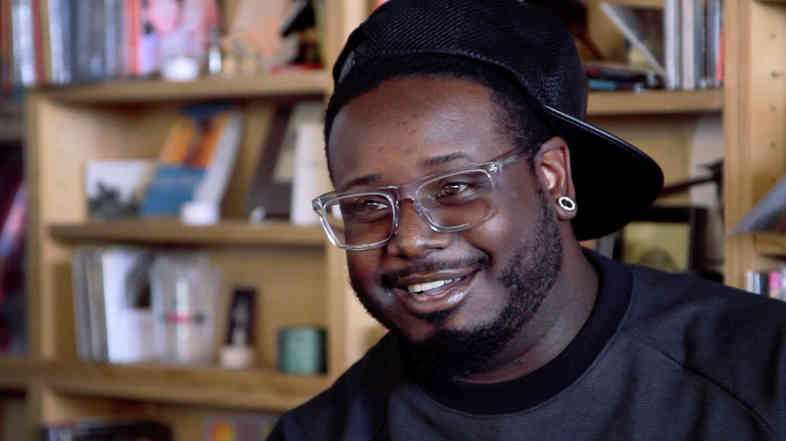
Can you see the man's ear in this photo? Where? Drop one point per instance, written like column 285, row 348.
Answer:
column 552, row 167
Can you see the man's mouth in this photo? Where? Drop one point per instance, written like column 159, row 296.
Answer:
column 434, row 294
column 431, row 288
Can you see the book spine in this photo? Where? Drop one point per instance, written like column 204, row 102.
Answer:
column 700, row 46
column 219, row 170
column 775, row 281
column 714, row 42
column 671, row 37
column 98, row 348
column 113, row 37
column 81, row 306
column 40, row 49
column 23, row 46
column 688, row 56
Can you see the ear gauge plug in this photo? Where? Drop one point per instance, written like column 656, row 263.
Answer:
column 567, row 204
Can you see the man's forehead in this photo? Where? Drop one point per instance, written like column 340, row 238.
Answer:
column 411, row 126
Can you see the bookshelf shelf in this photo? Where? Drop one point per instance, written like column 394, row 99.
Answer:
column 226, row 233
column 299, row 83
column 252, row 388
column 654, row 102
column 770, row 244
column 16, row 372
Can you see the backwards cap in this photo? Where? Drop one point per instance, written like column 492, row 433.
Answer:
column 614, row 180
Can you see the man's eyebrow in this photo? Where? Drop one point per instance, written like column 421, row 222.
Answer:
column 439, row 160
column 362, row 180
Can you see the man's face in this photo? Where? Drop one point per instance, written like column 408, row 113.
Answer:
column 474, row 290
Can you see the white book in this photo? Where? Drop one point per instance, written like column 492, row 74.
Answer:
column 23, row 45
column 311, row 176
column 633, row 25
column 671, row 43
column 689, row 50
column 129, row 329
column 213, row 185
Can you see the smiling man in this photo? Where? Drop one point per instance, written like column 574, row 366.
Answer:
column 465, row 177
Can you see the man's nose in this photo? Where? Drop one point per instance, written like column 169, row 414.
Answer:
column 414, row 237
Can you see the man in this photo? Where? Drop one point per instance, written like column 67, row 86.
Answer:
column 464, row 179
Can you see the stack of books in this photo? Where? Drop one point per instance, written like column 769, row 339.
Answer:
column 681, row 42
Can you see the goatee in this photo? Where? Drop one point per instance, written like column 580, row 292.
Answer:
column 527, row 276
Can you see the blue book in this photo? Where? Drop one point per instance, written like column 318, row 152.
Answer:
column 171, row 187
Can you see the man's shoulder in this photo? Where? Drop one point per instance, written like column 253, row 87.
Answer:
column 730, row 338
column 711, row 309
column 351, row 407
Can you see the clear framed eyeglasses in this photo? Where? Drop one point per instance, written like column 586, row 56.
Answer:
column 452, row 201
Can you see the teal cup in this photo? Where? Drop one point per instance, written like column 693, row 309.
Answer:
column 301, row 350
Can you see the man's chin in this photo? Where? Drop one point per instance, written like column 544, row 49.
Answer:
column 448, row 353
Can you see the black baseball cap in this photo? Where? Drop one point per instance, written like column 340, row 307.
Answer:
column 614, row 180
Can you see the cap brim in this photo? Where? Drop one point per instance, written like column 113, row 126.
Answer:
column 614, row 180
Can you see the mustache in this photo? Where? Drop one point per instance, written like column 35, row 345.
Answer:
column 389, row 278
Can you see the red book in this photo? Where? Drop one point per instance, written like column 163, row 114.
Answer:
column 38, row 42
column 132, row 27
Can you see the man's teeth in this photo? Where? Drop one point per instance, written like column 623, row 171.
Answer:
column 421, row 287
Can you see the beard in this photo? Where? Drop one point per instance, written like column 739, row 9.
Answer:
column 527, row 278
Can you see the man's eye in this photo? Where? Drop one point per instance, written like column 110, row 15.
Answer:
column 365, row 207
column 372, row 205
column 452, row 189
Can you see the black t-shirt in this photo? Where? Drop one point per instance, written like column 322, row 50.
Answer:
column 615, row 283
column 688, row 360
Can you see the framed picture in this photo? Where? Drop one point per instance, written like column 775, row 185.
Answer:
column 668, row 238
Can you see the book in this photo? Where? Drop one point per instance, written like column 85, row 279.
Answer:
column 693, row 43
column 196, row 161
column 89, row 306
column 714, row 53
column 23, row 46
column 769, row 282
column 114, row 188
column 229, row 129
column 82, row 318
column 129, row 317
column 643, row 28
column 112, row 304
column 672, row 50
column 271, row 186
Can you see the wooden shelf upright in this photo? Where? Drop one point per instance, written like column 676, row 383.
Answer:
column 755, row 139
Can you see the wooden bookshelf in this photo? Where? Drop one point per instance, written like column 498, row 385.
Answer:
column 16, row 372
column 315, row 82
column 225, row 233
column 251, row 388
column 755, row 141
column 654, row 102
column 770, row 244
